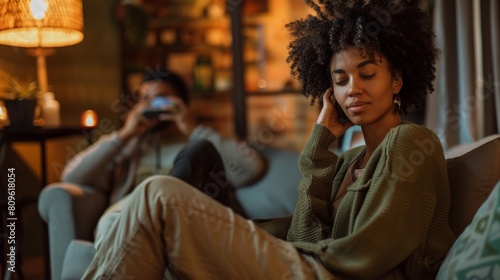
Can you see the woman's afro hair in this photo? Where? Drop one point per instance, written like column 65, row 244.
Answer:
column 395, row 29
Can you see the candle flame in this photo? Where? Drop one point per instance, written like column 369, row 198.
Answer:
column 89, row 121
column 3, row 114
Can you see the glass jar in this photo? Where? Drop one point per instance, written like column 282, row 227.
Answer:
column 203, row 72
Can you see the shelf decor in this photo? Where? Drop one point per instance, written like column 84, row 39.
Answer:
column 20, row 100
column 135, row 23
column 203, row 74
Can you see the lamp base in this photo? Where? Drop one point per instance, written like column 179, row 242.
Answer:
column 40, row 54
column 36, row 52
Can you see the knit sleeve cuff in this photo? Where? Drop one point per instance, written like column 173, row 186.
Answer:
column 321, row 136
column 319, row 141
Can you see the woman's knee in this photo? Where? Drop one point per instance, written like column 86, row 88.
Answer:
column 168, row 188
column 163, row 184
column 166, row 195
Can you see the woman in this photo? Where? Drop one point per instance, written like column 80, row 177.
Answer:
column 376, row 212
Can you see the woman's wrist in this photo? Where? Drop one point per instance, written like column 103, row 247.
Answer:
column 335, row 130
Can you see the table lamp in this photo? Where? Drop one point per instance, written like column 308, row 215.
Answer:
column 41, row 25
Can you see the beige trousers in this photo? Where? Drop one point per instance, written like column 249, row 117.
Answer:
column 167, row 226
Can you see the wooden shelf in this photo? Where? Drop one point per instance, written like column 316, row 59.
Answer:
column 178, row 42
column 184, row 23
column 177, row 48
column 273, row 92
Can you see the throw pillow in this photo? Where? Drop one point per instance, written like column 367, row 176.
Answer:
column 476, row 252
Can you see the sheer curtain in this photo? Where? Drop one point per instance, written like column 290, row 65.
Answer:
column 465, row 106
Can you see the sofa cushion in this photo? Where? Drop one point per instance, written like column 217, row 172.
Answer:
column 476, row 252
column 78, row 257
column 473, row 171
column 275, row 195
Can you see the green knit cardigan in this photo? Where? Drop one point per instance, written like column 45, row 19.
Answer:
column 393, row 221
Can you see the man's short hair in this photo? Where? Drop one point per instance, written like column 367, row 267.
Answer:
column 160, row 74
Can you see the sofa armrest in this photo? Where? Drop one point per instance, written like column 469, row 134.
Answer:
column 473, row 171
column 71, row 212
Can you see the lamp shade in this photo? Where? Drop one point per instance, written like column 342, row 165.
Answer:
column 61, row 23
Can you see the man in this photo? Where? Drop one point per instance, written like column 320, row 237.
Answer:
column 169, row 143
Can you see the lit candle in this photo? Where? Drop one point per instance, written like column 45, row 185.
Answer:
column 3, row 113
column 89, row 119
column 4, row 119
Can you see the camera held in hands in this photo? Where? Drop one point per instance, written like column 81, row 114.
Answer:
column 160, row 105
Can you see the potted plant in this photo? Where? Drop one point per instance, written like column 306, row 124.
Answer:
column 20, row 100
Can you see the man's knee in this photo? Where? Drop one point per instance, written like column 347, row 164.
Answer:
column 202, row 147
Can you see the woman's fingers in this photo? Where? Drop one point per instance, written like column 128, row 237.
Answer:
column 328, row 117
column 328, row 97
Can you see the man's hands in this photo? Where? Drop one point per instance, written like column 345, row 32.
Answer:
column 328, row 117
column 135, row 123
column 181, row 115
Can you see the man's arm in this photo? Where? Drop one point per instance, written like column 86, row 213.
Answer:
column 92, row 167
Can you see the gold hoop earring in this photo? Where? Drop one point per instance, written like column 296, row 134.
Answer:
column 397, row 103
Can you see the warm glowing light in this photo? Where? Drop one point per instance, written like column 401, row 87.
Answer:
column 41, row 23
column 89, row 119
column 4, row 118
column 3, row 115
column 38, row 8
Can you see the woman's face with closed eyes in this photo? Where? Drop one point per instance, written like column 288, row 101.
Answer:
column 364, row 88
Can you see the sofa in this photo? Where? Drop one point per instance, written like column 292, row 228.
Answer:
column 72, row 211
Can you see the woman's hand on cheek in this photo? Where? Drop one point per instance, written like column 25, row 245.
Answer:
column 328, row 117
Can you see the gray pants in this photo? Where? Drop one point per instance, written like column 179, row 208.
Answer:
column 167, row 226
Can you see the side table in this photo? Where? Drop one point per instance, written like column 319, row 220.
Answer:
column 7, row 137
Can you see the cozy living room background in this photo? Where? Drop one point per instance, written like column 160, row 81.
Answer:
column 102, row 69
column 91, row 75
